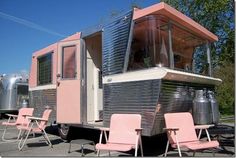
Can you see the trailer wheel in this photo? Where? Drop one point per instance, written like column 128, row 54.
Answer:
column 63, row 130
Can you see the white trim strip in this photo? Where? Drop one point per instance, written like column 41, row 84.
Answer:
column 52, row 86
column 160, row 73
column 148, row 74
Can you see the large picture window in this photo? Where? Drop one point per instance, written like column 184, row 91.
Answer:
column 45, row 69
column 159, row 42
column 150, row 43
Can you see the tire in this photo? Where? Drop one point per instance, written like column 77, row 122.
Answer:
column 64, row 130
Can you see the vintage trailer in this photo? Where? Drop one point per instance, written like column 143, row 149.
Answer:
column 148, row 61
column 13, row 92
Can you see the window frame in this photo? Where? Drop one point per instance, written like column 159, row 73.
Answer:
column 62, row 62
column 51, row 70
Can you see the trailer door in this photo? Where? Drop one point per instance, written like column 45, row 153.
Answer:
column 68, row 82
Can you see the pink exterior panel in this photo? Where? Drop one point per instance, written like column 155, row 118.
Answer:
column 174, row 15
column 75, row 36
column 52, row 48
column 68, row 90
column 33, row 70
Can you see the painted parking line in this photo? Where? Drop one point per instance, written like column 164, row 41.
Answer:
column 29, row 139
column 8, row 129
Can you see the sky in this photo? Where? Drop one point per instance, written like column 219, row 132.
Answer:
column 30, row 25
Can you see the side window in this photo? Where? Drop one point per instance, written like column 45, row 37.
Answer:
column 68, row 62
column 45, row 69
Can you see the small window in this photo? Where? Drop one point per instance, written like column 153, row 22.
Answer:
column 68, row 62
column 45, row 69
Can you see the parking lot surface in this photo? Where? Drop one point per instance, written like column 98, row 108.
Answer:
column 153, row 146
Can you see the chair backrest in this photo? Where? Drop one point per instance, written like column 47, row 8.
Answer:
column 183, row 121
column 21, row 119
column 45, row 116
column 122, row 128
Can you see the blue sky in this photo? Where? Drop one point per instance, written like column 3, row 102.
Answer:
column 29, row 25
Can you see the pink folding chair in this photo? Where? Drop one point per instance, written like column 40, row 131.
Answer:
column 18, row 120
column 124, row 134
column 36, row 125
column 181, row 133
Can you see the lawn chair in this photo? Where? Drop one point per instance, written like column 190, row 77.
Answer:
column 36, row 125
column 181, row 133
column 124, row 134
column 18, row 120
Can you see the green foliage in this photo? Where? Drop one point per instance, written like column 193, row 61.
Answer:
column 225, row 92
column 218, row 17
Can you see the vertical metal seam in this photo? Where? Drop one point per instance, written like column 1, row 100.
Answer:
column 171, row 60
column 209, row 59
column 127, row 54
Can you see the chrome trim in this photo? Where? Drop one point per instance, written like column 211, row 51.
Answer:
column 171, row 54
column 127, row 54
column 83, row 82
column 45, row 87
column 209, row 59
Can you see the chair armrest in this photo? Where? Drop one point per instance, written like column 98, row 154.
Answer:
column 27, row 115
column 11, row 115
column 104, row 129
column 203, row 126
column 171, row 129
column 138, row 129
column 36, row 118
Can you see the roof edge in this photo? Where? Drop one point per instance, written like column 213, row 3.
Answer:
column 176, row 15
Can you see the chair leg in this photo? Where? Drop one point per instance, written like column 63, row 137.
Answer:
column 4, row 132
column 213, row 153
column 6, row 140
column 179, row 151
column 19, row 134
column 167, row 146
column 47, row 138
column 141, row 146
column 208, row 135
column 178, row 147
column 194, row 152
column 136, row 152
column 98, row 152
column 20, row 144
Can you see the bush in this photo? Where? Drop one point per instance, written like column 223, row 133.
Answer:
column 225, row 92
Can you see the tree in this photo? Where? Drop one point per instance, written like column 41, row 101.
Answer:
column 218, row 17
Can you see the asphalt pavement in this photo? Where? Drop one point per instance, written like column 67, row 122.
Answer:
column 152, row 146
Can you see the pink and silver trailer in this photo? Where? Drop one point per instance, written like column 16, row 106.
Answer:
column 148, row 61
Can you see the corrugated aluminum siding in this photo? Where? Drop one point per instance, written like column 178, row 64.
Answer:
column 143, row 97
column 175, row 97
column 40, row 98
column 132, row 97
column 115, row 40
